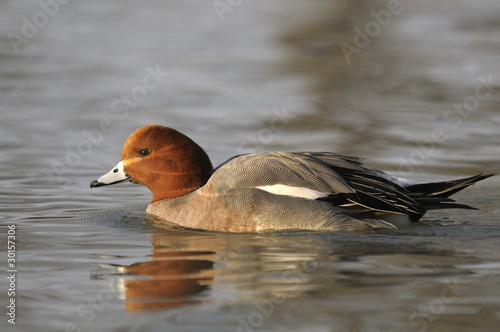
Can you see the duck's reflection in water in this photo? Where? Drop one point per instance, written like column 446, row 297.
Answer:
column 181, row 268
column 169, row 281
column 190, row 267
column 173, row 274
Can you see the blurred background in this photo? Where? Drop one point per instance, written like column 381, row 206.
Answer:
column 412, row 86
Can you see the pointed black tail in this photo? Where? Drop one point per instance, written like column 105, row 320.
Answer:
column 434, row 196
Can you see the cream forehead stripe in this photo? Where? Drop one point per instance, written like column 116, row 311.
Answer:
column 281, row 189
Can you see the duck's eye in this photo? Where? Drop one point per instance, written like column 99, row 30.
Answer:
column 143, row 152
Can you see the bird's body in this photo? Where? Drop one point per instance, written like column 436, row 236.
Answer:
column 271, row 190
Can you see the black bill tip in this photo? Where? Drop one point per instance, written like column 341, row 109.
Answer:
column 96, row 183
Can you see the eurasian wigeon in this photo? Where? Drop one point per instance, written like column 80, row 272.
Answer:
column 271, row 190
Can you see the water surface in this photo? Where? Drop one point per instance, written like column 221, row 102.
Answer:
column 412, row 101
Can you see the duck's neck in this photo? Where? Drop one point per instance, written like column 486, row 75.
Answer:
column 192, row 170
column 170, row 185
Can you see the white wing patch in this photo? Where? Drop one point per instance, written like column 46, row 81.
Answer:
column 281, row 189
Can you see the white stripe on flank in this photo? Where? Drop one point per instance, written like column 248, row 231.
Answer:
column 281, row 189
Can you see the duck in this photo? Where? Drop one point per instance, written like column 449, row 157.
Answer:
column 271, row 191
